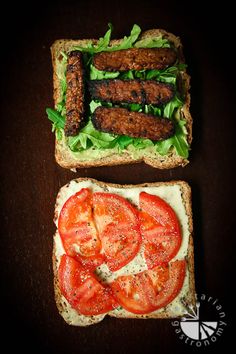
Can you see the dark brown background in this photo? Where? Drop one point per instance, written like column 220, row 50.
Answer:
column 30, row 177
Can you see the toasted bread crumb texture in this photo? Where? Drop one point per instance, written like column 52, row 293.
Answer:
column 185, row 298
column 108, row 157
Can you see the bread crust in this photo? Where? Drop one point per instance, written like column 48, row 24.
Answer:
column 188, row 300
column 68, row 159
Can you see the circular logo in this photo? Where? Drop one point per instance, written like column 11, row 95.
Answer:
column 202, row 324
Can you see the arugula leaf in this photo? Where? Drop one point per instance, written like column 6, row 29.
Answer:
column 158, row 42
column 178, row 141
column 89, row 135
column 128, row 42
column 55, row 117
column 123, row 141
column 168, row 75
column 127, row 75
column 140, row 74
column 96, row 74
column 140, row 143
column 58, row 122
column 170, row 107
column 157, row 111
column 104, row 41
column 77, row 143
column 89, row 48
column 135, row 107
column 59, row 134
column 61, row 107
column 102, row 44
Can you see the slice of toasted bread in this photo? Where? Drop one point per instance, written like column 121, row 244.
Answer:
column 178, row 195
column 69, row 159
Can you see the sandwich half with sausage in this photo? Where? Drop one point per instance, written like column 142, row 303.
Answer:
column 121, row 101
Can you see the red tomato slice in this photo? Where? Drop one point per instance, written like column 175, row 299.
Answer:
column 77, row 229
column 167, row 290
column 150, row 290
column 160, row 230
column 118, row 227
column 82, row 290
column 134, row 292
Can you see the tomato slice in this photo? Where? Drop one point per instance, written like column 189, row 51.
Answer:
column 82, row 290
column 134, row 292
column 160, row 230
column 167, row 290
column 77, row 229
column 118, row 227
column 150, row 290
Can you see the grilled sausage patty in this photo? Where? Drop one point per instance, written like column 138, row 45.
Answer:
column 135, row 59
column 74, row 93
column 121, row 121
column 131, row 91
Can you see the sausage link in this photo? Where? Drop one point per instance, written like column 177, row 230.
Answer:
column 135, row 59
column 121, row 121
column 74, row 93
column 131, row 91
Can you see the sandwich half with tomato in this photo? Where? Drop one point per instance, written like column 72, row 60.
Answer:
column 123, row 250
column 121, row 101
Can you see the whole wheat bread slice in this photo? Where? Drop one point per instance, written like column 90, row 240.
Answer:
column 68, row 159
column 188, row 299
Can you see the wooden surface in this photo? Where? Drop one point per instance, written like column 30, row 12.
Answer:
column 30, row 178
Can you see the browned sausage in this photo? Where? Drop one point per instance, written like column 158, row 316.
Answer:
column 74, row 93
column 135, row 59
column 131, row 91
column 121, row 121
